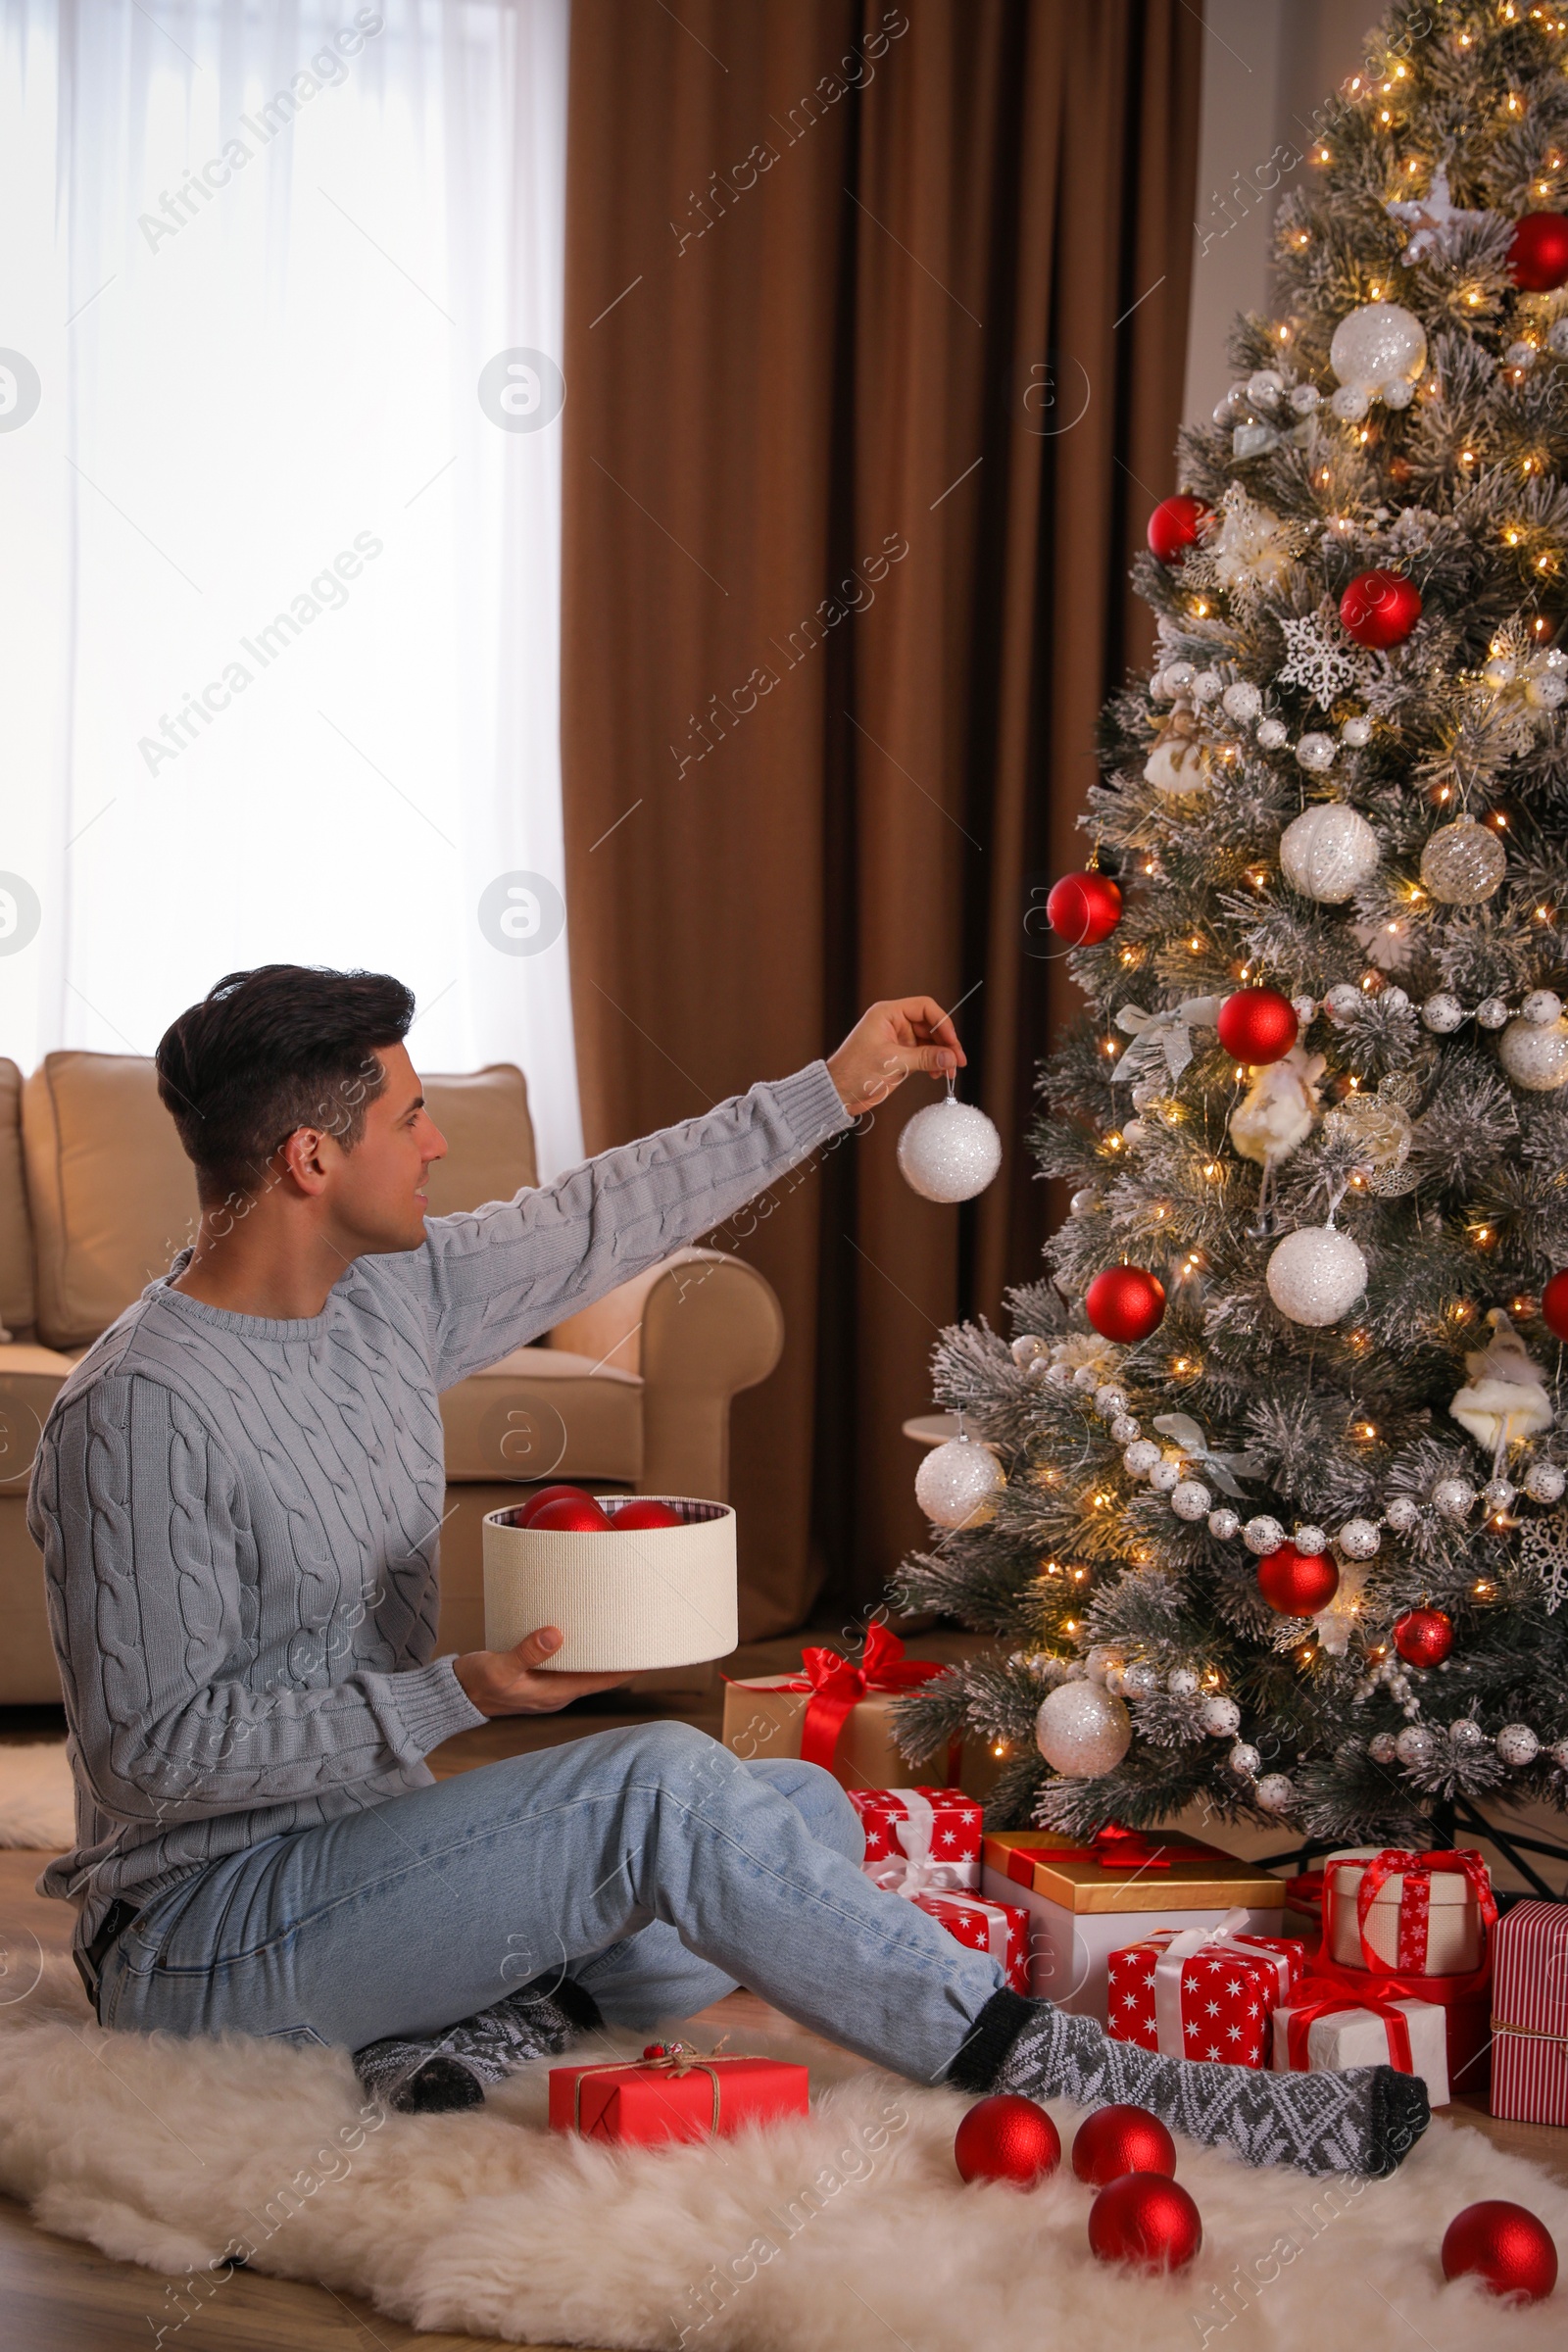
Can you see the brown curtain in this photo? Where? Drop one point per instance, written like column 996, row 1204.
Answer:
column 875, row 336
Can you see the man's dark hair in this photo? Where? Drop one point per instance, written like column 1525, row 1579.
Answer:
column 285, row 1046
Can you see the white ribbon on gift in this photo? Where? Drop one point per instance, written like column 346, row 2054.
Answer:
column 1168, row 1032
column 911, row 1870
column 1223, row 1937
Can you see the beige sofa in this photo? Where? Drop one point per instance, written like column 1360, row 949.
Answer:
column 95, row 1198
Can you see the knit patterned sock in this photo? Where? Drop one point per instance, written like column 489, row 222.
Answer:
column 438, row 2073
column 1365, row 2121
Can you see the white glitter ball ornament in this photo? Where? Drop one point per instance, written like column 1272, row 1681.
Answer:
column 1165, row 1476
column 1028, row 1350
column 1443, row 1013
column 1244, row 1758
column 1342, row 1000
column 1262, row 1535
column 1517, row 1745
column 1140, row 1680
column 1454, row 1498
column 1241, row 701
column 1271, row 733
column 1417, row 1746
column 1378, row 348
column 1359, row 1539
column 1275, row 1792
column 1542, row 1008
column 1327, row 852
column 1544, row 1483
column 956, row 1484
column 1189, row 1500
column 1083, row 1730
column 1403, row 1514
column 1315, row 1275
column 1224, row 1523
column 1221, row 1718
column 1140, row 1457
column 1316, row 753
column 1491, row 1012
column 1383, row 1747
column 949, row 1151
column 1463, row 863
column 1534, row 1057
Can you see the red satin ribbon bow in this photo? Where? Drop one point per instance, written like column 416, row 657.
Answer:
column 1313, row 1998
column 1415, row 1899
column 838, row 1685
column 1116, row 1849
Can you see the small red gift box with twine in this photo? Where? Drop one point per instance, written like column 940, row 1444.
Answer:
column 671, row 2092
column 1202, row 1992
column 919, row 1840
column 1000, row 1929
column 1530, row 2015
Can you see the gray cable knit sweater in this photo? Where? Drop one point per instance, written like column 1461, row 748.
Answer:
column 240, row 1518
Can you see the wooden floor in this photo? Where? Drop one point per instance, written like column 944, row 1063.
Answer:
column 56, row 2295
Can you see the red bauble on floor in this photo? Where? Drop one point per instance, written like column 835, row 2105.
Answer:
column 1145, row 2220
column 1554, row 1306
column 1175, row 526
column 1424, row 1637
column 541, row 1498
column 643, row 1511
column 1256, row 1025
column 1125, row 1303
column 1537, row 258
column 1006, row 2139
column 1504, row 2245
column 1121, row 2139
column 579, row 1516
column 1380, row 609
column 1083, row 908
column 1297, row 1583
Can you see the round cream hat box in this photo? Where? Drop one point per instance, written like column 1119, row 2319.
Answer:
column 648, row 1597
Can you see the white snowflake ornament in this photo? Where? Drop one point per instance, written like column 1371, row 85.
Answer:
column 1320, row 658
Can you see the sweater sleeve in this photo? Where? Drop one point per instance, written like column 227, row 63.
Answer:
column 139, row 1515
column 494, row 1278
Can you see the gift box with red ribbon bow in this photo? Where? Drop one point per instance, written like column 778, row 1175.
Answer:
column 1000, row 1929
column 1420, row 1914
column 921, row 1840
column 1202, row 1992
column 671, row 2092
column 1530, row 2015
column 1327, row 2027
column 838, row 1712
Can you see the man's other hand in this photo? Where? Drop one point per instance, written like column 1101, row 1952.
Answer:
column 903, row 1034
column 509, row 1682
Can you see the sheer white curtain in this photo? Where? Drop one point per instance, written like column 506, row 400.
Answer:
column 280, row 499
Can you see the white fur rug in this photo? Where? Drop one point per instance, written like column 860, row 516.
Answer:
column 840, row 2232
column 37, row 1803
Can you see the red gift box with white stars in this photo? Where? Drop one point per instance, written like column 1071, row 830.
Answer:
column 1000, row 1929
column 1203, row 1993
column 921, row 1840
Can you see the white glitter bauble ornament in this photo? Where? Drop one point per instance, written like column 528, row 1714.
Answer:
column 1535, row 1059
column 1454, row 1498
column 1181, row 1681
column 956, row 1484
column 1491, row 1012
column 1517, row 1745
column 1084, row 1201
column 1207, row 686
column 1139, row 1679
column 1028, row 1350
column 1124, row 1429
column 1499, row 1492
column 1165, row 1476
column 1327, row 852
column 1383, row 1747
column 1356, row 731
column 1310, row 1539
column 1083, row 1730
column 1272, row 733
column 1241, row 701
column 1342, row 1000
column 949, row 1151
column 1378, row 349
column 1262, row 1535
column 1275, row 1792
column 1544, row 1483
column 1178, row 675
column 1315, row 1275
column 1109, row 1400
column 1224, row 1523
column 1417, row 1746
column 1221, row 1718
column 1189, row 1500
column 1403, row 1514
column 1359, row 1539
column 1244, row 1758
column 1443, row 1013
column 1316, row 753
column 1463, row 863
column 1465, row 1732
column 1542, row 1008
column 1140, row 1457
column 1098, row 1663
column 1560, row 1755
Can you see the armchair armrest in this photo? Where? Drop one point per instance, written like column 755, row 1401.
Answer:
column 711, row 1325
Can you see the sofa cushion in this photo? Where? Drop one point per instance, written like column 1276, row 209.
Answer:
column 490, row 1154
column 544, row 1412
column 18, row 1307
column 29, row 1380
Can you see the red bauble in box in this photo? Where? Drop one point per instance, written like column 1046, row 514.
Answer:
column 1297, row 1583
column 541, row 1498
column 1256, row 1025
column 1176, row 525
column 577, row 1515
column 1121, row 2139
column 1380, row 609
column 1504, row 2245
column 1006, row 2139
column 1125, row 1303
column 1145, row 2220
column 1424, row 1637
column 1537, row 258
column 1554, row 1306
column 643, row 1511
column 1083, row 908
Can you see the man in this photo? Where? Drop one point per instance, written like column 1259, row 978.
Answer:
column 238, row 1497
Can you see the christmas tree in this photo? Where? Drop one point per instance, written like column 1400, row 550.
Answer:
column 1262, row 1503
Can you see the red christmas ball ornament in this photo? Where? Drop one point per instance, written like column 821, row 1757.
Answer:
column 1554, row 1306
column 1121, row 2139
column 1175, row 526
column 1256, row 1025
column 1083, row 908
column 1537, row 258
column 1297, row 1583
column 542, row 1496
column 1380, row 609
column 1424, row 1637
column 568, row 1515
column 1504, row 2246
column 1125, row 1303
column 644, row 1512
column 1145, row 2220
column 1006, row 2139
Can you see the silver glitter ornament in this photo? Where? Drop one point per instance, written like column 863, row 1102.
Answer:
column 1359, row 1539
column 1221, row 1718
column 1223, row 1523
column 956, row 1484
column 1244, row 1760
column 1140, row 1457
column 1109, row 1400
column 1417, row 1746
column 1315, row 1275
column 1310, row 1539
column 1316, row 753
column 1165, row 1476
column 1491, row 1012
column 1455, row 1498
column 1544, row 1483
column 1124, row 1429
column 1099, row 1662
column 1463, row 863
column 1542, row 1008
column 1403, row 1514
column 1262, row 1535
column 1516, row 1745
column 1085, row 1377
column 1083, row 1730
column 1189, row 1500
column 1327, row 852
column 1305, row 1010
column 1465, row 1732
column 1275, row 1792
column 1207, row 686
column 1382, row 1747
column 1241, row 701
column 1271, row 733
column 1499, row 1492
column 1535, row 1058
column 1178, row 676
column 1139, row 1679
column 949, row 1151
column 1443, row 1013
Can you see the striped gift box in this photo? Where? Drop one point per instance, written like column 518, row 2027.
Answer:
column 1530, row 2014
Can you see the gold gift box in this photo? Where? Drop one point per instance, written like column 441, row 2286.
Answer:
column 1195, row 1876
column 765, row 1717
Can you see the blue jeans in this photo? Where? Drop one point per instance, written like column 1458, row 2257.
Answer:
column 650, row 1865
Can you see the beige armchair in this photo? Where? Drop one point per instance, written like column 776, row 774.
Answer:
column 95, row 1198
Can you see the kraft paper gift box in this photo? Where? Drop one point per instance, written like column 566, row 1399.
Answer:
column 1083, row 1899
column 673, row 2095
column 1420, row 1914
column 1206, row 1993
column 1530, row 2015
column 838, row 1712
column 921, row 1840
column 1323, row 2028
